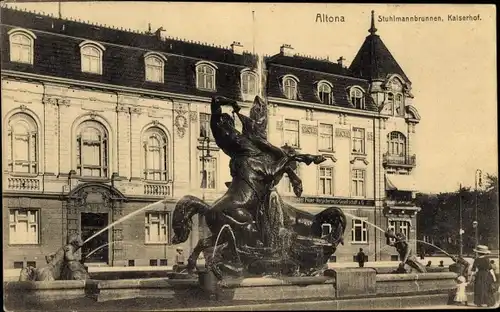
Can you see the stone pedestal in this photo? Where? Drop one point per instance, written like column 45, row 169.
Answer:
column 209, row 284
column 355, row 282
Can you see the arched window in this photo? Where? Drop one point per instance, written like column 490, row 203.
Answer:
column 249, row 85
column 154, row 67
column 91, row 57
column 290, row 88
column 205, row 76
column 21, row 46
column 155, row 146
column 22, row 144
column 357, row 98
column 92, row 149
column 325, row 93
column 396, row 144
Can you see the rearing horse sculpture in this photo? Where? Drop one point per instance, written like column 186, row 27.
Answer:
column 256, row 166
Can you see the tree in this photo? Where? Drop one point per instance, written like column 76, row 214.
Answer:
column 439, row 217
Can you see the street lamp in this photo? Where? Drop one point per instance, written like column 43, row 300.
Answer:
column 478, row 182
column 461, row 231
column 205, row 157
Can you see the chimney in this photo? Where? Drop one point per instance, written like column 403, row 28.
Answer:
column 286, row 50
column 340, row 60
column 161, row 33
column 237, row 48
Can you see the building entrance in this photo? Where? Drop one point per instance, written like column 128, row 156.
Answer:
column 91, row 223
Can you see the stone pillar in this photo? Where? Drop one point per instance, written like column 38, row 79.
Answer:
column 66, row 139
column 135, row 141
column 51, row 139
column 181, row 147
column 123, row 139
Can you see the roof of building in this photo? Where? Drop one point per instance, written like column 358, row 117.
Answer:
column 57, row 54
column 374, row 60
column 309, row 72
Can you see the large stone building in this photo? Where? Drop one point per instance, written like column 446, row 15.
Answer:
column 100, row 122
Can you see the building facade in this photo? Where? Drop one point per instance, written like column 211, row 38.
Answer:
column 101, row 124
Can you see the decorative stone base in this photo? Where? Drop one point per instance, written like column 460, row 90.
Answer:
column 342, row 288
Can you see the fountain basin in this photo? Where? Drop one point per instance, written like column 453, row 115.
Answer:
column 342, row 285
column 45, row 291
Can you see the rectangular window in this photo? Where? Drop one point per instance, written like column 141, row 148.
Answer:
column 205, row 131
column 326, row 181
column 18, row 265
column 292, row 132
column 156, row 227
column 358, row 183
column 359, row 231
column 404, row 227
column 24, row 225
column 92, row 156
column 326, row 137
column 208, row 173
column 358, row 141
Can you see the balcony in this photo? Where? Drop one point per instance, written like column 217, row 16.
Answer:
column 23, row 184
column 158, row 189
column 399, row 160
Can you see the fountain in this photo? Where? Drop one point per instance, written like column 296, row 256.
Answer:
column 260, row 248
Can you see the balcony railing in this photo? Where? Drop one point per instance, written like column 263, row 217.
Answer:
column 23, row 184
column 399, row 160
column 158, row 189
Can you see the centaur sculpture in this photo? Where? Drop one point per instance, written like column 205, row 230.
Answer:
column 266, row 230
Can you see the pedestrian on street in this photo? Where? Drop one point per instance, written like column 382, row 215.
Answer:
column 179, row 260
column 441, row 264
column 429, row 263
column 460, row 294
column 361, row 258
column 484, row 283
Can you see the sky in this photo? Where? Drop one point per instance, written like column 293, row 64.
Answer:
column 452, row 65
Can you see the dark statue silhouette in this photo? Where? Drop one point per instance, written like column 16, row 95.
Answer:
column 269, row 235
column 398, row 240
column 61, row 265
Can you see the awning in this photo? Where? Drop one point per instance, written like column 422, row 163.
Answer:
column 400, row 182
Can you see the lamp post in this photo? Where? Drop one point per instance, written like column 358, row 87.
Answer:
column 461, row 231
column 205, row 157
column 478, row 182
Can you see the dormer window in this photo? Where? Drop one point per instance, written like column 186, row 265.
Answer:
column 205, row 76
column 290, row 87
column 249, row 85
column 357, row 97
column 91, row 57
column 154, row 65
column 325, row 93
column 21, row 46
